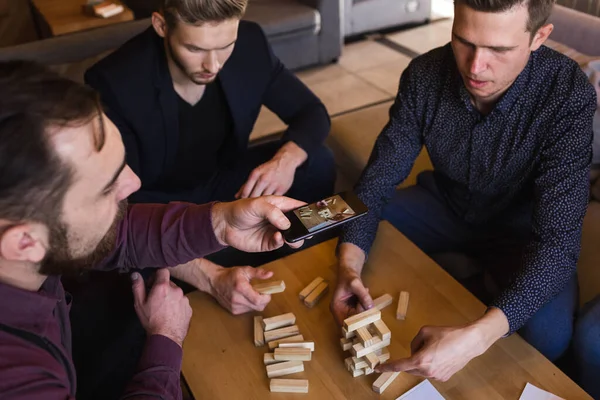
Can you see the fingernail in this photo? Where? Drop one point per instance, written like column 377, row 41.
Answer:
column 135, row 276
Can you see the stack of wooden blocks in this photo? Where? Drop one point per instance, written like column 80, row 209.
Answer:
column 367, row 337
column 289, row 351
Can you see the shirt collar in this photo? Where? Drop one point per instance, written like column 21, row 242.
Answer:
column 30, row 311
column 509, row 97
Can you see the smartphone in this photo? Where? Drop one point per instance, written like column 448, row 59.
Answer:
column 325, row 214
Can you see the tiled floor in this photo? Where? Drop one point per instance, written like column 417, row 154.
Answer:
column 367, row 73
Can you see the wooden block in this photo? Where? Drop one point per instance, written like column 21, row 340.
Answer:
column 311, row 286
column 372, row 360
column 288, row 385
column 369, row 371
column 284, row 368
column 356, row 372
column 348, row 335
column 298, row 345
column 281, row 333
column 383, row 301
column 360, row 351
column 346, row 344
column 359, row 363
column 292, row 354
column 348, row 362
column 279, row 321
column 275, row 343
column 402, row 306
column 259, row 336
column 384, row 381
column 363, row 319
column 382, row 330
column 365, row 336
column 269, row 359
column 269, row 287
column 313, row 298
column 383, row 355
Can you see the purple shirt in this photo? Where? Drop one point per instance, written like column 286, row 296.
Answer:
column 150, row 235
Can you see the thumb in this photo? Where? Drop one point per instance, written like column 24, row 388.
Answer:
column 362, row 293
column 401, row 365
column 139, row 289
column 260, row 273
column 271, row 213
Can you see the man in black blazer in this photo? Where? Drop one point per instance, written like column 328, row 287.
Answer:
column 186, row 94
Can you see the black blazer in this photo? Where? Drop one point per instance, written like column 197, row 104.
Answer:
column 137, row 91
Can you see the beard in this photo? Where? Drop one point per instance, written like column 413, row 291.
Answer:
column 59, row 259
column 192, row 76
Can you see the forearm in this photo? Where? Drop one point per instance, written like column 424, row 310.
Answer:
column 492, row 326
column 198, row 273
column 351, row 259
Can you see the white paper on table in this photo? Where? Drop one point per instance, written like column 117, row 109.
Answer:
column 423, row 391
column 534, row 393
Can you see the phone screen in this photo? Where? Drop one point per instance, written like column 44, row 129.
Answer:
column 325, row 212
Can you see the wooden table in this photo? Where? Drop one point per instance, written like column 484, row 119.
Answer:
column 221, row 362
column 66, row 16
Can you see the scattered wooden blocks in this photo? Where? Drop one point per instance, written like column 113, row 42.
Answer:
column 313, row 298
column 270, row 359
column 279, row 321
column 288, row 385
column 383, row 301
column 311, row 286
column 402, row 306
column 365, row 336
column 269, row 287
column 382, row 330
column 284, row 368
column 291, row 339
column 298, row 345
column 384, row 381
column 282, row 333
column 293, row 354
column 259, row 336
column 363, row 319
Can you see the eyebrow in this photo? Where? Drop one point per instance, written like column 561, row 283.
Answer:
column 115, row 177
column 497, row 48
column 220, row 48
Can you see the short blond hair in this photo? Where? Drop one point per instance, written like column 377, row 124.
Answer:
column 198, row 12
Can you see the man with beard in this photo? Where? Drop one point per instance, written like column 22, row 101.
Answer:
column 185, row 95
column 63, row 185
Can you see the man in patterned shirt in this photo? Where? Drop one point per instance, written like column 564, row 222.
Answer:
column 507, row 123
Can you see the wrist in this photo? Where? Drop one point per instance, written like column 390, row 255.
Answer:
column 291, row 154
column 208, row 272
column 491, row 327
column 219, row 222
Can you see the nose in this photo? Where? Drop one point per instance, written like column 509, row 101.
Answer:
column 130, row 184
column 477, row 64
column 211, row 62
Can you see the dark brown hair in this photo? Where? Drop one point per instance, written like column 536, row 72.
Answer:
column 198, row 12
column 33, row 178
column 539, row 10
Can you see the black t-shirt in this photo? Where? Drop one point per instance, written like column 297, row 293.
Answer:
column 204, row 130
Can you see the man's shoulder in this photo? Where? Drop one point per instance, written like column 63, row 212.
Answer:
column 131, row 59
column 431, row 68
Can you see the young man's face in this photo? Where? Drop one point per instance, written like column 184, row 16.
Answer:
column 200, row 52
column 95, row 201
column 491, row 49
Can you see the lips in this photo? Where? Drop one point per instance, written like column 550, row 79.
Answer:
column 475, row 83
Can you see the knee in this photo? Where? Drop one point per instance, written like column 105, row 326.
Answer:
column 586, row 340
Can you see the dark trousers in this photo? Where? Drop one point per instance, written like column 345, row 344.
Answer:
column 484, row 258
column 108, row 338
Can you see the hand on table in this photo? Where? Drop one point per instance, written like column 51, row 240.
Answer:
column 276, row 176
column 440, row 352
column 254, row 225
column 165, row 310
column 232, row 289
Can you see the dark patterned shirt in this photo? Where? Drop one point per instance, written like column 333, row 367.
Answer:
column 533, row 147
